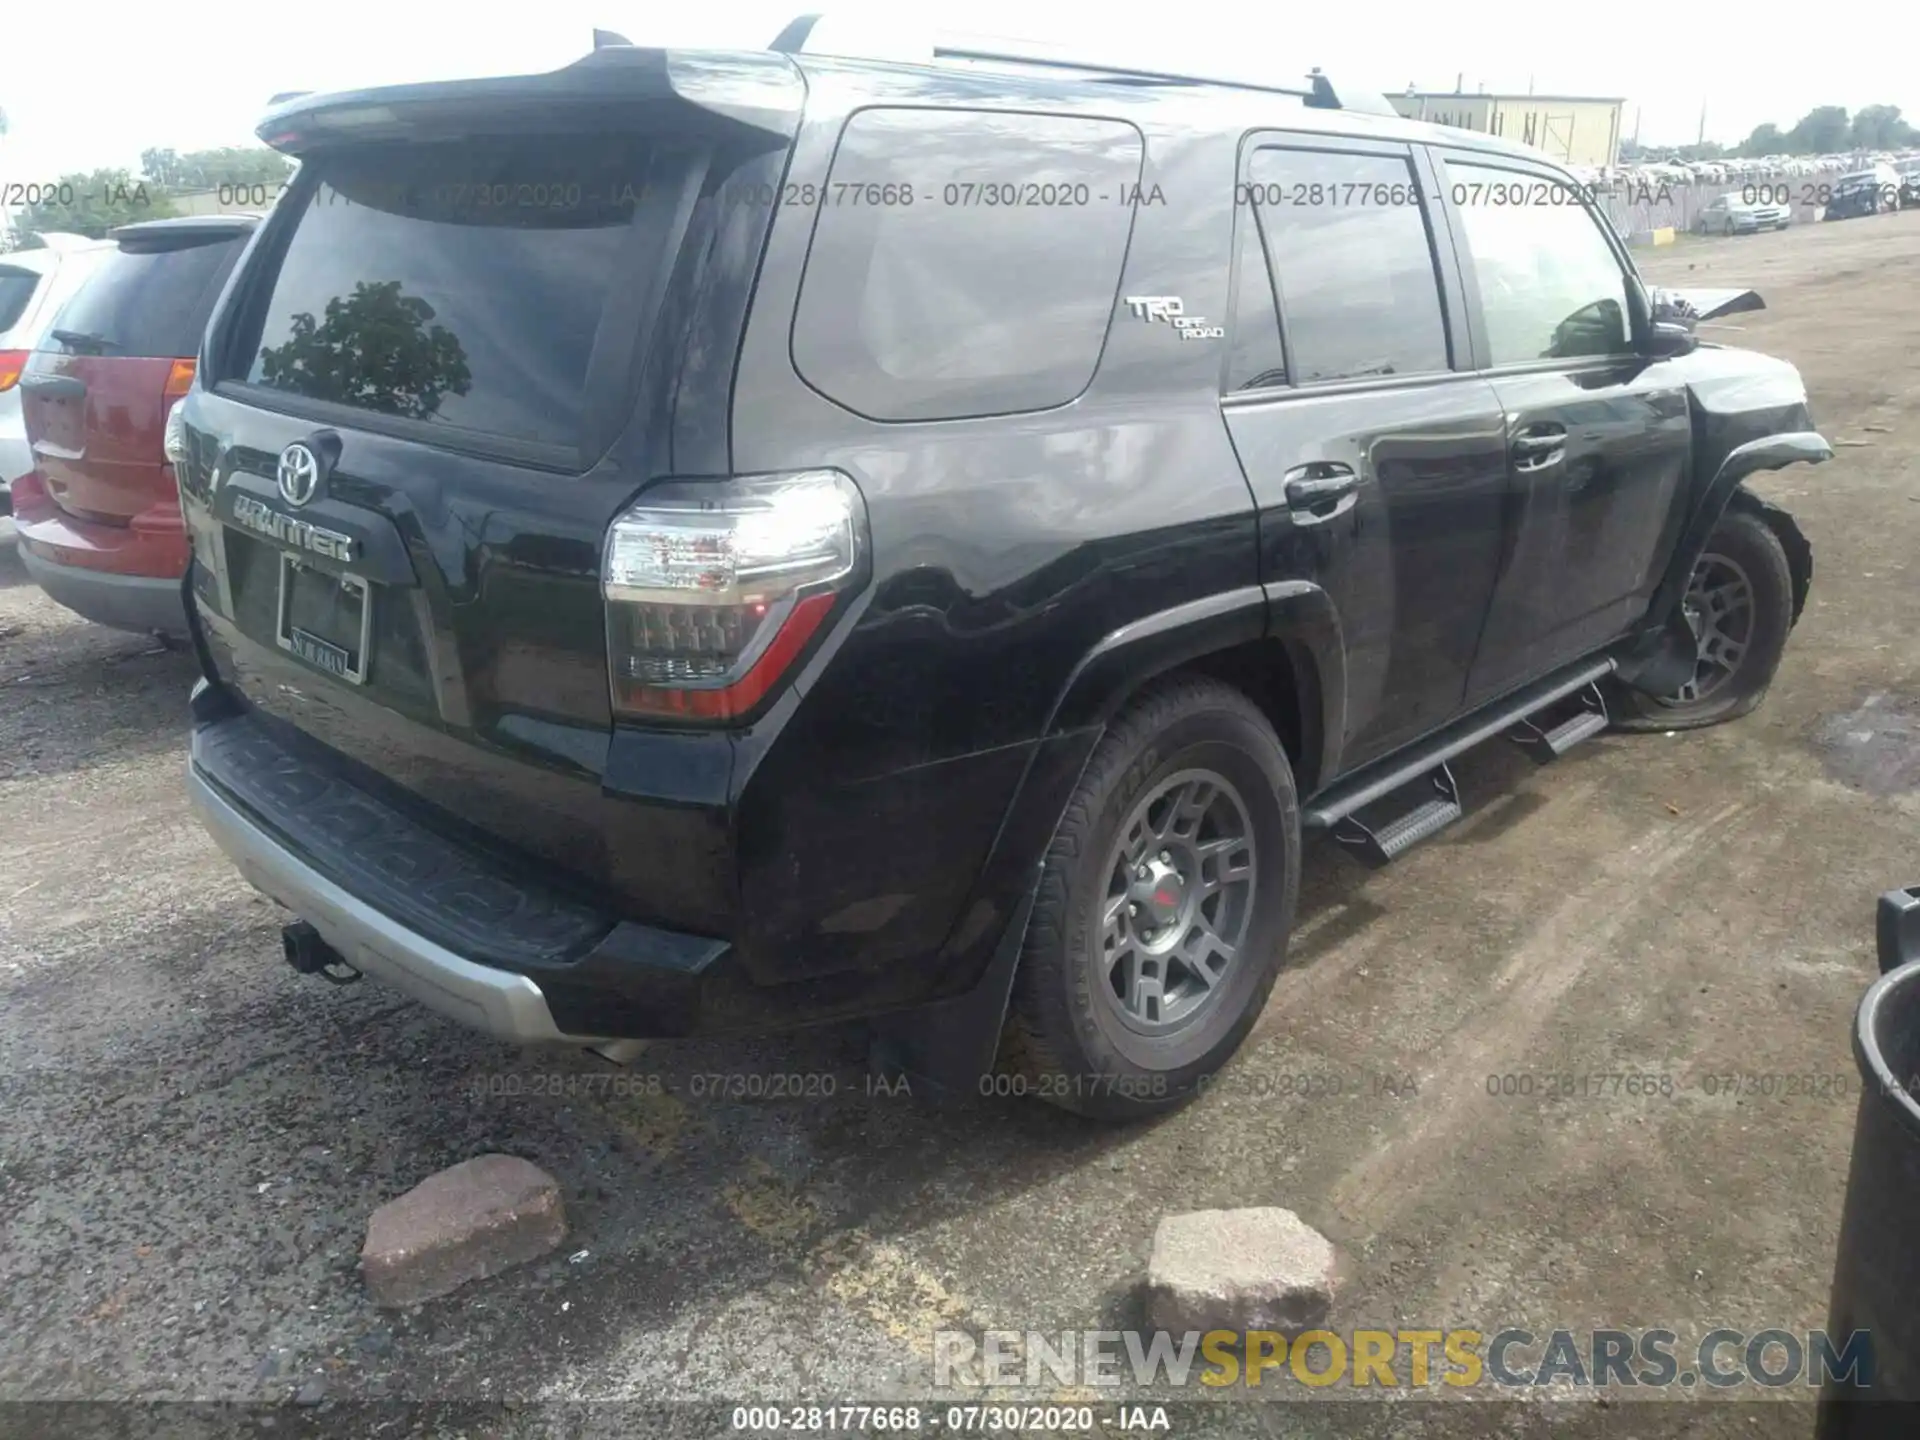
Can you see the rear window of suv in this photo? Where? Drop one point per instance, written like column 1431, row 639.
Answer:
column 150, row 298
column 463, row 286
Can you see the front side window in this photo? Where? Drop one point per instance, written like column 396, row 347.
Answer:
column 1550, row 286
column 1352, row 262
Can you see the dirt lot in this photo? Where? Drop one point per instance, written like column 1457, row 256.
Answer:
column 193, row 1136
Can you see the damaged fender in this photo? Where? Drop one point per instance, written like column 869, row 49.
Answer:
column 1663, row 656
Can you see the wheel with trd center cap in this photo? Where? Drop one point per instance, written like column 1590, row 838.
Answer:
column 1739, row 607
column 1163, row 909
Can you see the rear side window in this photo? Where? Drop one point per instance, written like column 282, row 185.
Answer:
column 149, row 299
column 16, row 291
column 1352, row 263
column 965, row 262
column 1550, row 286
column 466, row 285
column 1255, row 358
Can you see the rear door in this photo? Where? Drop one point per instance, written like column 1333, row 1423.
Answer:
column 1598, row 437
column 1376, row 462
column 97, row 388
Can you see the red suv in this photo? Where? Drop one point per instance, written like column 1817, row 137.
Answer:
column 98, row 515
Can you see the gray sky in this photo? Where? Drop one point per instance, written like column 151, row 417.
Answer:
column 81, row 94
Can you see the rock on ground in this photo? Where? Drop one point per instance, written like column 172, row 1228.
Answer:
column 471, row 1220
column 1259, row 1269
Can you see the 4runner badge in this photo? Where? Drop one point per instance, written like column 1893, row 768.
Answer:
column 1172, row 310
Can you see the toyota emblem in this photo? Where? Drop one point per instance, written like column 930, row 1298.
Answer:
column 298, row 475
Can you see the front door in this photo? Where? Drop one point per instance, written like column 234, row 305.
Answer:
column 1377, row 466
column 1598, row 437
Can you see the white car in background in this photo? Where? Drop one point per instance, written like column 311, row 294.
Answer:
column 34, row 284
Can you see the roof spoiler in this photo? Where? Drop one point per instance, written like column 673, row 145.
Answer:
column 751, row 88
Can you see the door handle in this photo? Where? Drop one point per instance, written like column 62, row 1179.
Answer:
column 1321, row 491
column 55, row 387
column 1539, row 446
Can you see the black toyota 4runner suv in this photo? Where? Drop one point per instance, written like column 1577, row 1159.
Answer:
column 698, row 543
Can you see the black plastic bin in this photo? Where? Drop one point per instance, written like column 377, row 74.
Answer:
column 1876, row 1278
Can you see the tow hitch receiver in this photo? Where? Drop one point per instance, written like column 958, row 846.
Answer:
column 310, row 955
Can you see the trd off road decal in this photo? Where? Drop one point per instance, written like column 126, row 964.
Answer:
column 1171, row 310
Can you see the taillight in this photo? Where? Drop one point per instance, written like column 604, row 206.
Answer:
column 179, row 381
column 713, row 588
column 12, row 362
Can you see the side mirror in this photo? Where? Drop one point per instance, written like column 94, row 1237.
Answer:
column 1669, row 339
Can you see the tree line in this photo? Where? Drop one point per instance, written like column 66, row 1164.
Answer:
column 92, row 202
column 1823, row 130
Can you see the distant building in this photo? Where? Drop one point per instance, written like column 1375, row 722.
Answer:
column 1573, row 129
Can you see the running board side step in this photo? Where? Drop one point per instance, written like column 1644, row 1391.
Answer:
column 1551, row 731
column 1537, row 714
column 1378, row 844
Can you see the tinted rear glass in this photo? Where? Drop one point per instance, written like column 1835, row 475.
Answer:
column 1351, row 262
column 16, row 289
column 146, row 303
column 464, row 284
column 964, row 262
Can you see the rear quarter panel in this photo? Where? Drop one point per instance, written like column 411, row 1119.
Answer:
column 1004, row 549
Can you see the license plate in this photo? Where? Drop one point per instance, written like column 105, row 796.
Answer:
column 325, row 619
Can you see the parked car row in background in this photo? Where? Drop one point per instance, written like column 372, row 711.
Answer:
column 34, row 285
column 1655, row 173
column 83, row 416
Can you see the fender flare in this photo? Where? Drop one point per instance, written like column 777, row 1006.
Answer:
column 1296, row 614
column 1770, row 452
column 1665, row 644
column 1125, row 659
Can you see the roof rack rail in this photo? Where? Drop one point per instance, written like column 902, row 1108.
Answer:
column 806, row 35
column 1117, row 72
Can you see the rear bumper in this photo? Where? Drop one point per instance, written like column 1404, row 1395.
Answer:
column 498, row 1002
column 456, row 928
column 126, row 576
column 125, row 602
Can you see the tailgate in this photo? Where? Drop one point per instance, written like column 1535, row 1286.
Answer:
column 450, row 364
column 95, row 393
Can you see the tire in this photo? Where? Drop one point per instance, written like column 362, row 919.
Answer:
column 1742, row 547
column 1072, row 1038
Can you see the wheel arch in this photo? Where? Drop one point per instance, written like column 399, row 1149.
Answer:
column 1770, row 452
column 1663, row 641
column 1279, row 644
column 1787, row 530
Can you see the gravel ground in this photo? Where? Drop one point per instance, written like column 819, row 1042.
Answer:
column 194, row 1136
